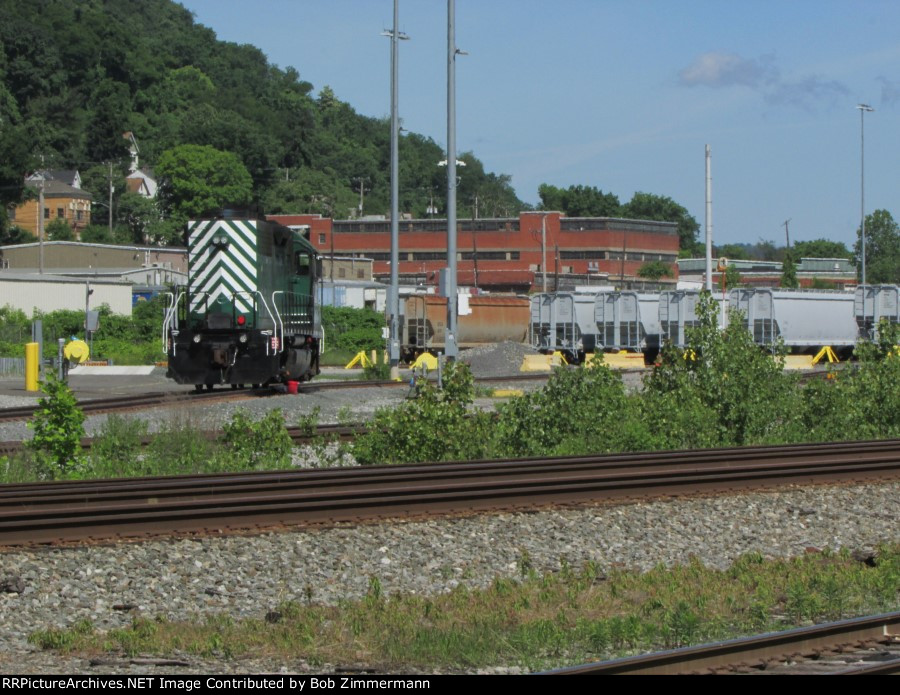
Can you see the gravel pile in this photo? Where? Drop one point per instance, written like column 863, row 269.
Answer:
column 496, row 359
column 248, row 576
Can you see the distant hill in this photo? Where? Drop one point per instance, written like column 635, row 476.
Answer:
column 76, row 74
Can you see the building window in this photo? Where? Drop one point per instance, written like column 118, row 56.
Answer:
column 79, row 215
column 321, row 238
column 61, row 213
column 359, row 273
column 46, row 213
column 342, row 272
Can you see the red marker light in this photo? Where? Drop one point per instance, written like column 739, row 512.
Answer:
column 241, row 320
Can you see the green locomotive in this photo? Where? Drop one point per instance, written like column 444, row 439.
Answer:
column 249, row 313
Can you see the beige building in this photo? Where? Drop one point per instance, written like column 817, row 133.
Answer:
column 61, row 201
column 60, row 256
column 346, row 268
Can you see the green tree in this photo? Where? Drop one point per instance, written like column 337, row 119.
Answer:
column 59, row 230
column 654, row 270
column 12, row 234
column 882, row 248
column 789, row 270
column 140, row 217
column 732, row 276
column 196, row 180
column 579, row 201
column 821, row 248
column 97, row 234
column 647, row 206
column 734, row 251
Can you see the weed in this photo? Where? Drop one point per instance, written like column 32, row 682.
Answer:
column 58, row 425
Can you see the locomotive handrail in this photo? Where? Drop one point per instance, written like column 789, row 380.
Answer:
column 269, row 312
column 280, row 322
column 170, row 318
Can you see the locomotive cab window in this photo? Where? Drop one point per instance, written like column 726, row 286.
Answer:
column 302, row 264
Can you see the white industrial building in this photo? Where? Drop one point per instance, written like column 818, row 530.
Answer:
column 31, row 291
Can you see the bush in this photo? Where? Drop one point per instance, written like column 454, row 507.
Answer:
column 580, row 410
column 352, row 329
column 730, row 382
column 257, row 445
column 58, row 425
column 436, row 426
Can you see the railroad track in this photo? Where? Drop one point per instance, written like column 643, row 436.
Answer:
column 140, row 507
column 861, row 646
column 171, row 398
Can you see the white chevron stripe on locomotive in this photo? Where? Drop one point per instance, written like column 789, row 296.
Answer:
column 221, row 283
column 243, row 242
column 246, row 282
column 237, row 232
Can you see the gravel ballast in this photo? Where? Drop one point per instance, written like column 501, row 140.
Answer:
column 246, row 576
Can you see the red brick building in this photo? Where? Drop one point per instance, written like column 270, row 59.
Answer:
column 503, row 254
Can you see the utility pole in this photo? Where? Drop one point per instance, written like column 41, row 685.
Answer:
column 111, row 189
column 394, row 290
column 544, row 252
column 787, row 235
column 709, row 224
column 41, row 222
column 362, row 189
column 451, row 349
column 862, row 183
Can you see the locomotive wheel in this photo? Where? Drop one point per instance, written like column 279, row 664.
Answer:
column 198, row 387
column 234, row 387
column 209, row 387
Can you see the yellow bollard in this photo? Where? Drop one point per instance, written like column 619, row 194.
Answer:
column 32, row 366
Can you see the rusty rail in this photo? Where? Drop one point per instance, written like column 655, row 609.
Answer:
column 763, row 651
column 79, row 510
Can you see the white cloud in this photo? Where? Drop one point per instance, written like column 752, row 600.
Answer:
column 722, row 70
column 728, row 69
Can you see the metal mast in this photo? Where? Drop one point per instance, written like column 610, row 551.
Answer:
column 709, row 223
column 862, row 184
column 394, row 290
column 451, row 350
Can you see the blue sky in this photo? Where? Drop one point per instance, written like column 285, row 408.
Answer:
column 625, row 94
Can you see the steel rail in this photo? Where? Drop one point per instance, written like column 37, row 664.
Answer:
column 78, row 510
column 759, row 651
column 167, row 398
column 153, row 399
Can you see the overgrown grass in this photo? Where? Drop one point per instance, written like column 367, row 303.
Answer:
column 535, row 621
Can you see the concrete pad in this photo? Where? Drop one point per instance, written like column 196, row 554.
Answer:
column 536, row 363
column 798, row 362
column 111, row 371
column 624, row 360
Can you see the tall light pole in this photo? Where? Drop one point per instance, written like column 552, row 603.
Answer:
column 451, row 349
column 862, row 183
column 394, row 290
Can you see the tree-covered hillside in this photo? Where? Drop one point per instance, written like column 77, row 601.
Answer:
column 76, row 74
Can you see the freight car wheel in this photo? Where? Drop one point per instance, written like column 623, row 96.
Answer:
column 198, row 387
column 209, row 387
